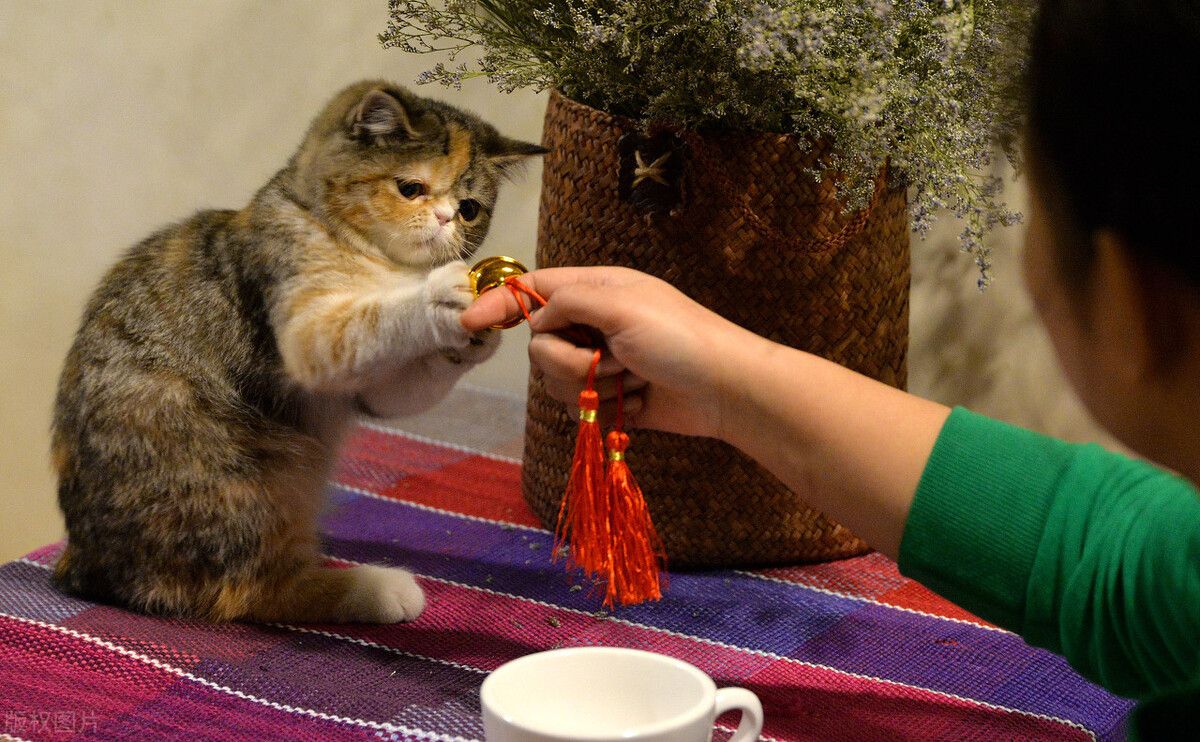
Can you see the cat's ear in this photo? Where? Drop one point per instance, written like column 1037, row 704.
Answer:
column 509, row 154
column 379, row 114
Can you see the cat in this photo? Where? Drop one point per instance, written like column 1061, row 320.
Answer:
column 220, row 362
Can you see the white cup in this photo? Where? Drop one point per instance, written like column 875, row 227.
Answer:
column 598, row 694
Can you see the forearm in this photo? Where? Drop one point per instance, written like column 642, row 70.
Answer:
column 853, row 447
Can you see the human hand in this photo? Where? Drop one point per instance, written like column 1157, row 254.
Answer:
column 675, row 352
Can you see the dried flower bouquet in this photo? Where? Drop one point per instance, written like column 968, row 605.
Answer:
column 926, row 85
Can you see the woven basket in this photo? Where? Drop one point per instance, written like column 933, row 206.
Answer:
column 731, row 220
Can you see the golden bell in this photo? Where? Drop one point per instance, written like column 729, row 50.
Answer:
column 491, row 272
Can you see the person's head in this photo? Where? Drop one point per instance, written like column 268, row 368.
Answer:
column 1114, row 162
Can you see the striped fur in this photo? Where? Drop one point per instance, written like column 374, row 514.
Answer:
column 220, row 362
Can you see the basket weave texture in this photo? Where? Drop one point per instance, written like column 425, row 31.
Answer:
column 740, row 228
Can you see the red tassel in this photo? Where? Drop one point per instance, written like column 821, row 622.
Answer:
column 637, row 551
column 583, row 518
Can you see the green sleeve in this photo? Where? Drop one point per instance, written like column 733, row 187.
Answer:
column 1085, row 552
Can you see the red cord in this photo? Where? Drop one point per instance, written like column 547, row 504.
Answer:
column 577, row 335
column 517, row 288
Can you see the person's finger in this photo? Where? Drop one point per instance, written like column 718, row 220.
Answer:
column 567, row 392
column 632, row 407
column 500, row 303
column 634, row 383
column 606, row 387
column 493, row 307
column 608, row 366
column 562, row 359
column 608, row 412
column 582, row 304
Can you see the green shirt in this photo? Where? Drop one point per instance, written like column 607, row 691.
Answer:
column 1085, row 552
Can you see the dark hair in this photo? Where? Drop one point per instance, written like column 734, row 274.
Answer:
column 1112, row 140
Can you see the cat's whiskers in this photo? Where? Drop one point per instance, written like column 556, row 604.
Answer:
column 468, row 247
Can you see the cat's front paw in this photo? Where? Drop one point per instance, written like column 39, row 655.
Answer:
column 480, row 346
column 447, row 295
column 382, row 595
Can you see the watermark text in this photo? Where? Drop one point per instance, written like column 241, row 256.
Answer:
column 28, row 721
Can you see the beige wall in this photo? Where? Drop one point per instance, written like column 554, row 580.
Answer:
column 117, row 116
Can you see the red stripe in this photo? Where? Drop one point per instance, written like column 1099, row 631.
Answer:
column 374, row 460
column 46, row 671
column 476, row 486
column 93, row 688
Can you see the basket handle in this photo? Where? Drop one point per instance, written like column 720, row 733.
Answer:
column 851, row 229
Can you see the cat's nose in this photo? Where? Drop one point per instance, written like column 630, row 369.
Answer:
column 444, row 215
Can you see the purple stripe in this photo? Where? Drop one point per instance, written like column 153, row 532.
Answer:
column 735, row 609
column 26, row 591
column 191, row 711
column 343, row 678
column 180, row 643
column 962, row 659
column 722, row 606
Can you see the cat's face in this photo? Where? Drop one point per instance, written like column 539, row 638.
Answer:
column 415, row 177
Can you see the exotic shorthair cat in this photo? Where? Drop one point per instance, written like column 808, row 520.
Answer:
column 220, row 362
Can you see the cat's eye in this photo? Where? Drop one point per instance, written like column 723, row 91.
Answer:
column 411, row 188
column 469, row 209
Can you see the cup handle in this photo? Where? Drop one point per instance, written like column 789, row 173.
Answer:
column 729, row 699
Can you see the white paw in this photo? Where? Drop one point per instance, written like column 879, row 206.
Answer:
column 382, row 595
column 480, row 347
column 447, row 295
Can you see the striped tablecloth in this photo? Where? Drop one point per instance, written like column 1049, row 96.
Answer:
column 843, row 651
